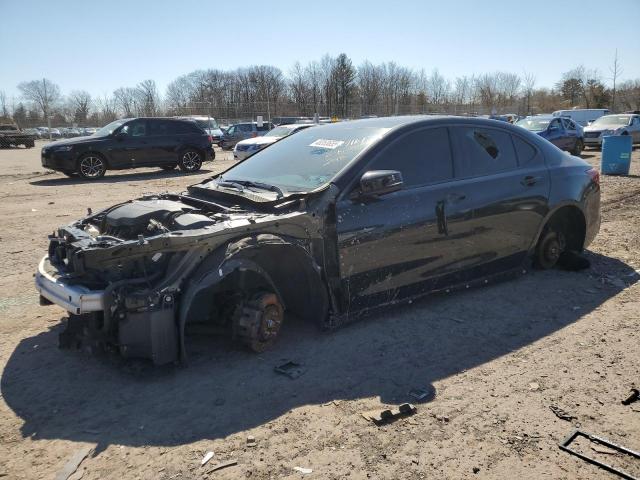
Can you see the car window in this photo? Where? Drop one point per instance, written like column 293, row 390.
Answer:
column 135, row 129
column 245, row 128
column 527, row 154
column 264, row 127
column 555, row 124
column 481, row 151
column 423, row 157
column 159, row 127
column 568, row 124
column 231, row 130
column 183, row 127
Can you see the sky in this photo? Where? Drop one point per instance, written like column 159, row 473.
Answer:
column 100, row 45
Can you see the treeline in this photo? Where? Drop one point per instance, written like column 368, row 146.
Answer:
column 331, row 86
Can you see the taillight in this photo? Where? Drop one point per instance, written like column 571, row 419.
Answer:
column 595, row 175
column 210, row 139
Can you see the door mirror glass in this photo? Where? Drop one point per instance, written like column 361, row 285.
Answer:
column 380, row 182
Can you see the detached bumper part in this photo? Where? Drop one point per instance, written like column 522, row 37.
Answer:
column 75, row 299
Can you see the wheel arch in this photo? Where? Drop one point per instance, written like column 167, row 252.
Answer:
column 279, row 263
column 571, row 218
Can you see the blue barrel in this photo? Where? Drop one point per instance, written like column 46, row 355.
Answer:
column 616, row 155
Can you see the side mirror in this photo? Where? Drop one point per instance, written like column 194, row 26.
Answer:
column 380, row 182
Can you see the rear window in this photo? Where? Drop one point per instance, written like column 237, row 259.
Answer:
column 265, row 127
column 526, row 153
column 185, row 127
column 481, row 151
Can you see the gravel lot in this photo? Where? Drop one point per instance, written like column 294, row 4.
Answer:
column 497, row 358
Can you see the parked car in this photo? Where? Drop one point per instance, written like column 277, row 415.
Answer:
column 132, row 143
column 209, row 125
column 582, row 116
column 333, row 221
column 564, row 133
column 626, row 124
column 247, row 147
column 55, row 133
column 44, row 132
column 89, row 131
column 289, row 120
column 12, row 136
column 242, row 131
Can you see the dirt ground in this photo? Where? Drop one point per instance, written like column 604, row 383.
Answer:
column 495, row 359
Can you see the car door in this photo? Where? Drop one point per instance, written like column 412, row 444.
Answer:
column 571, row 133
column 130, row 145
column 405, row 242
column 162, row 142
column 557, row 134
column 508, row 181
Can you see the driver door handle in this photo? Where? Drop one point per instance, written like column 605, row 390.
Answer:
column 530, row 180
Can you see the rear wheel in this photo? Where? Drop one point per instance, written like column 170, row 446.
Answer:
column 577, row 149
column 190, row 160
column 550, row 247
column 91, row 166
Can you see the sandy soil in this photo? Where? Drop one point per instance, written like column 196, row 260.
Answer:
column 495, row 360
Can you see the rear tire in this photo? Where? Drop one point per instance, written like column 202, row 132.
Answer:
column 91, row 166
column 190, row 160
column 577, row 149
column 550, row 248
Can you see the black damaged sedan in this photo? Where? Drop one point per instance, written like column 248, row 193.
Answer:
column 326, row 224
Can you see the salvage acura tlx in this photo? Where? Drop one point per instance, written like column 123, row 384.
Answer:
column 325, row 224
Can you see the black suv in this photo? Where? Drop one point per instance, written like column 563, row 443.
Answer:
column 132, row 143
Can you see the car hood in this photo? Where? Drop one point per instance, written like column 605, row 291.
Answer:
column 74, row 141
column 259, row 140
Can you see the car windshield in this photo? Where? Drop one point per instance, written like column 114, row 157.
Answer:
column 306, row 160
column 613, row 121
column 108, row 129
column 534, row 124
column 208, row 124
column 279, row 132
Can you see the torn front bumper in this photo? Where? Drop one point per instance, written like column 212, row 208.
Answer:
column 76, row 299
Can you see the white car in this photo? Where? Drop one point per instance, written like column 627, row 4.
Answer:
column 250, row 146
column 582, row 116
column 622, row 124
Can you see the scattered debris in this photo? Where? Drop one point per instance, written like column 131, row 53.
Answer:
column 221, row 465
column 633, row 397
column 386, row 415
column 605, row 450
column 476, row 470
column 207, row 456
column 251, row 441
column 561, row 414
column 291, row 369
column 534, row 387
column 303, row 470
column 601, row 442
column 73, row 463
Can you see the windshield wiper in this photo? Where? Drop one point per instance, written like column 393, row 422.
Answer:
column 264, row 186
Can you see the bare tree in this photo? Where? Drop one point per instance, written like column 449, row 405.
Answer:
column 4, row 111
column 616, row 71
column 43, row 93
column 125, row 99
column 528, row 84
column 80, row 101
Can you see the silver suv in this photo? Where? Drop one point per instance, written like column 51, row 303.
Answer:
column 242, row 131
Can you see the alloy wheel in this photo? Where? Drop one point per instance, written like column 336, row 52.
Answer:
column 92, row 167
column 191, row 161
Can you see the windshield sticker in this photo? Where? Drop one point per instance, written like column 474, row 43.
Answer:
column 324, row 143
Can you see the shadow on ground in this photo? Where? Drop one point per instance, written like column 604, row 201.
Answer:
column 111, row 177
column 69, row 395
